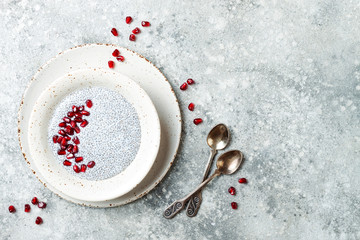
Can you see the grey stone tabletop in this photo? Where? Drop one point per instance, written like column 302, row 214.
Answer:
column 283, row 75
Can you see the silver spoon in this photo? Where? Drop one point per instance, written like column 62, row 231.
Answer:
column 227, row 163
column 217, row 139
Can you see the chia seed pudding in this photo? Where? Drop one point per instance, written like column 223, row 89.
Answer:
column 112, row 137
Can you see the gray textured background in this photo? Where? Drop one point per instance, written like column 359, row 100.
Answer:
column 285, row 77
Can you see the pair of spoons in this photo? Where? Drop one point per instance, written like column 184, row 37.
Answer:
column 218, row 138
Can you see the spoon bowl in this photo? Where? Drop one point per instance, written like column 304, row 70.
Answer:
column 229, row 162
column 218, row 137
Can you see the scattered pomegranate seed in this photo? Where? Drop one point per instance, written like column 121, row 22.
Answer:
column 234, row 205
column 38, row 220
column 132, row 37
column 63, row 147
column 69, row 147
column 197, row 121
column 77, row 129
column 60, row 139
column 63, row 142
column 136, row 30
column 27, row 208
column 79, row 159
column 68, row 130
column 62, row 124
column 75, row 149
column 116, row 53
column 73, row 124
column 120, row 58
column 191, row 107
column 78, row 119
column 70, row 156
column 190, row 81
column 67, row 138
column 84, row 123
column 34, row 200
column 145, row 24
column 89, row 103
column 184, row 86
column 83, row 168
column 67, row 163
column 66, row 119
column 12, row 209
column 55, row 138
column 114, row 32
column 78, row 115
column 75, row 109
column 70, row 114
column 76, row 168
column 76, row 140
column 62, row 132
column 242, row 180
column 91, row 164
column 111, row 64
column 42, row 205
column 61, row 152
column 81, row 108
column 128, row 19
column 232, row 190
column 85, row 113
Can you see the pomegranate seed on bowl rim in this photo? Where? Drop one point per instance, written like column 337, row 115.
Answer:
column 184, row 86
column 27, row 208
column 232, row 190
column 42, row 205
column 242, row 180
column 136, row 30
column 145, row 24
column 128, row 19
column 12, row 209
column 38, row 220
column 132, row 37
column 120, row 58
column 190, row 81
column 34, row 200
column 191, row 107
column 89, row 103
column 234, row 205
column 114, row 32
column 197, row 121
column 116, row 53
column 111, row 64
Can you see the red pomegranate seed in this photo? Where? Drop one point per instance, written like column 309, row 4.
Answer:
column 116, row 53
column 12, row 209
column 132, row 37
column 38, row 220
column 27, row 208
column 183, row 86
column 85, row 113
column 83, row 167
column 79, row 159
column 69, row 148
column 66, row 119
column 73, row 124
column 63, row 142
column 128, row 19
column 78, row 115
column 76, row 140
column 145, row 24
column 81, row 108
column 63, row 147
column 67, row 163
column 62, row 124
column 197, row 121
column 62, row 132
column 120, row 58
column 242, row 180
column 91, row 164
column 78, row 119
column 34, row 200
column 55, row 138
column 77, row 129
column 76, row 168
column 61, row 152
column 60, row 139
column 234, row 205
column 42, row 205
column 68, row 129
column 232, row 190
column 75, row 149
column 70, row 114
column 89, row 103
column 114, row 32
column 111, row 64
column 191, row 107
column 67, row 138
column 190, row 81
column 75, row 108
column 84, row 123
column 70, row 156
column 136, row 30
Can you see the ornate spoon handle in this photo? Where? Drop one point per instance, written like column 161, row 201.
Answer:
column 176, row 206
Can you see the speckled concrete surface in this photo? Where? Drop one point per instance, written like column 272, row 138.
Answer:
column 285, row 77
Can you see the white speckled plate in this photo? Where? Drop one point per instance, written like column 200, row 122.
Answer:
column 138, row 69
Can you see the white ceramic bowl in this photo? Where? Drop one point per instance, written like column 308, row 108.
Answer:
column 54, row 172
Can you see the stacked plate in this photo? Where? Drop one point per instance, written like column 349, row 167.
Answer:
column 136, row 80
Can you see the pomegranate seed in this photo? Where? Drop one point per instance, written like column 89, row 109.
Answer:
column 85, row 113
column 73, row 124
column 234, row 205
column 67, row 163
column 145, row 24
column 27, row 208
column 61, row 152
column 60, row 139
column 116, row 53
column 136, row 30
column 91, row 164
column 55, row 138
column 70, row 156
column 114, row 32
column 38, row 220
column 12, row 209
column 197, row 121
column 78, row 115
column 62, row 124
column 68, row 129
column 79, row 159
column 132, row 37
column 89, row 103
column 83, row 167
column 66, row 119
column 63, row 142
column 34, row 200
column 62, row 132
column 84, row 123
column 190, row 81
column 111, row 64
column 81, row 108
column 63, row 147
column 242, row 180
column 69, row 148
column 76, row 168
column 75, row 149
column 128, row 19
column 76, row 140
column 183, row 86
column 42, row 205
column 75, row 109
column 191, row 107
column 120, row 58
column 77, row 129
column 67, row 138
column 70, row 114
column 232, row 190
column 78, row 119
